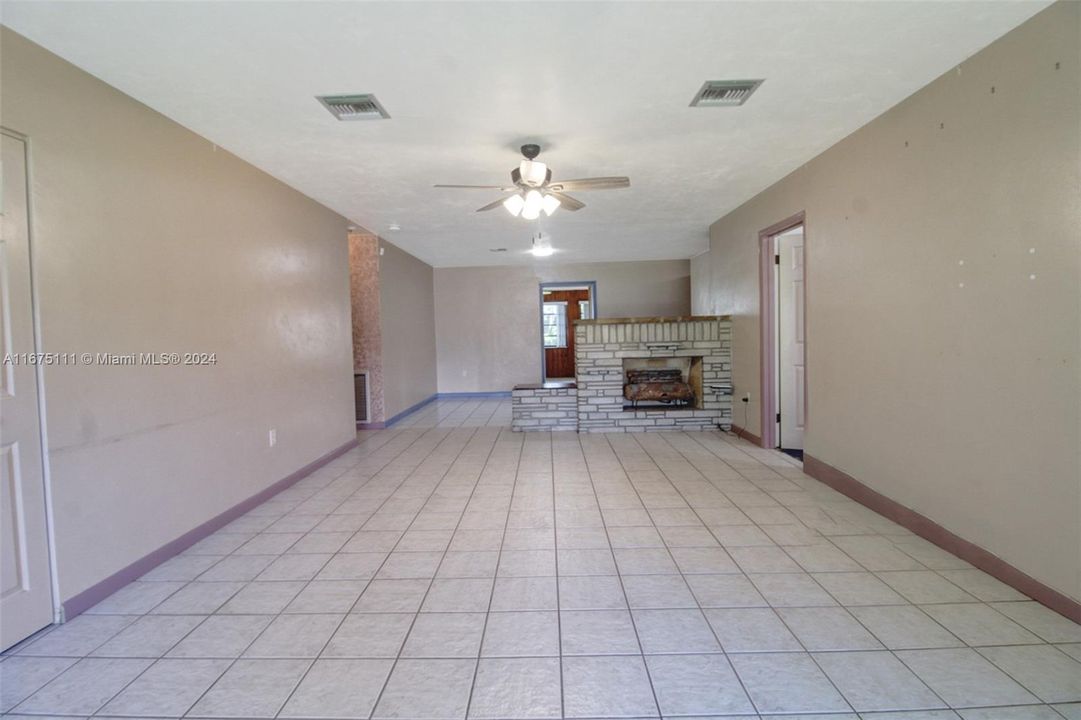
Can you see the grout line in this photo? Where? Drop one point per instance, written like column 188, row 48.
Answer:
column 337, row 627
column 279, row 614
column 777, row 614
column 405, row 639
column 682, row 575
column 884, row 648
column 498, row 558
column 555, row 543
column 615, row 561
column 173, row 646
column 275, row 616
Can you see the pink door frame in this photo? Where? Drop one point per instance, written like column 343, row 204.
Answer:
column 767, row 321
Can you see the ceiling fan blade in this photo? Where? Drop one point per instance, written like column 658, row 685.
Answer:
column 567, row 202
column 491, row 206
column 478, row 187
column 598, row 183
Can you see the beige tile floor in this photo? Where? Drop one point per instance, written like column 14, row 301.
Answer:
column 449, row 568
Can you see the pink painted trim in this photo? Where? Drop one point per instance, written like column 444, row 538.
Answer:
column 766, row 341
column 746, row 435
column 940, row 536
column 96, row 593
column 767, row 324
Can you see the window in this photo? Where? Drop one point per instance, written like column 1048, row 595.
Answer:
column 555, row 324
column 584, row 310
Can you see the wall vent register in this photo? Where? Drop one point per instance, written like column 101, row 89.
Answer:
column 362, row 397
column 353, row 107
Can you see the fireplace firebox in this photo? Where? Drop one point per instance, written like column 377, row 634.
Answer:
column 663, row 383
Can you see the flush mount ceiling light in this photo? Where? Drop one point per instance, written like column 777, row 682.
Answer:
column 534, row 191
column 541, row 246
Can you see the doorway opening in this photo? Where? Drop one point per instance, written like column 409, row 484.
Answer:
column 784, row 335
column 561, row 304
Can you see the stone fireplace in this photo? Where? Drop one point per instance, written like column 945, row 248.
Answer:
column 608, row 351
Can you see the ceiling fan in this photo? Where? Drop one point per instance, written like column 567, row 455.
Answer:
column 535, row 192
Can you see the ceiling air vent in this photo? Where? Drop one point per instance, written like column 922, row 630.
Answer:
column 353, row 107
column 725, row 93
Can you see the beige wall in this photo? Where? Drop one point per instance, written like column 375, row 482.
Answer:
column 630, row 289
column 961, row 403
column 148, row 238
column 487, row 319
column 407, row 318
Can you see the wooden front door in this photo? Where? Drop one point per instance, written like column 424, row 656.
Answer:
column 561, row 308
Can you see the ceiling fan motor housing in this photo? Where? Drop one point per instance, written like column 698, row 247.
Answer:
column 530, row 172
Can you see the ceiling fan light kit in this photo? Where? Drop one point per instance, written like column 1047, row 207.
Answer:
column 514, row 205
column 534, row 203
column 530, row 204
column 550, row 203
column 534, row 191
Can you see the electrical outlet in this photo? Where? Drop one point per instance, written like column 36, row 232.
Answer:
column 746, row 397
column 272, row 437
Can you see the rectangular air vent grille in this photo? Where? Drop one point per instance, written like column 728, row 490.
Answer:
column 361, row 397
column 353, row 107
column 725, row 93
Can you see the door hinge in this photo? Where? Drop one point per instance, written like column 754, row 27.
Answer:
column 776, row 259
column 778, row 417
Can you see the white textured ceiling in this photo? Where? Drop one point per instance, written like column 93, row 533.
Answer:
column 602, row 87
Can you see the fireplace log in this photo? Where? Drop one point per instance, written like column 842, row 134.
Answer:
column 657, row 385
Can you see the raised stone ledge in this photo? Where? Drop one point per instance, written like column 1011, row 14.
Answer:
column 541, row 407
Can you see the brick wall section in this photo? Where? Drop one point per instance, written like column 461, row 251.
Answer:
column 537, row 408
column 367, row 332
column 601, row 346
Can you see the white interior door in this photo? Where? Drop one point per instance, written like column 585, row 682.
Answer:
column 25, row 590
column 791, row 339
